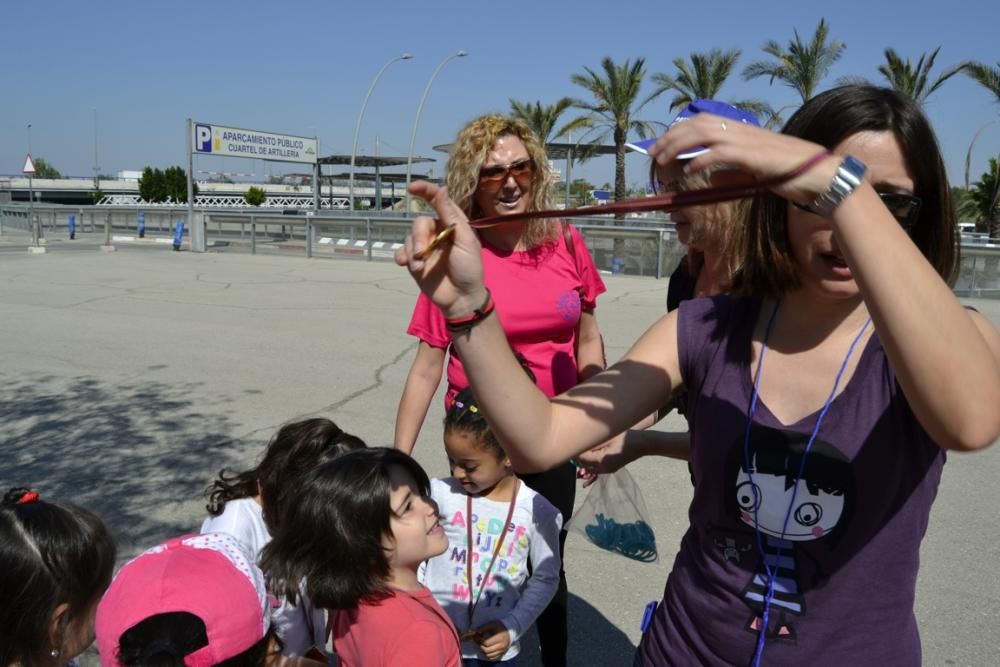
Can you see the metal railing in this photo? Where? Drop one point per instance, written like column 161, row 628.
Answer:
column 645, row 246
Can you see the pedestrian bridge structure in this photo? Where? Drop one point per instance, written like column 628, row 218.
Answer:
column 75, row 191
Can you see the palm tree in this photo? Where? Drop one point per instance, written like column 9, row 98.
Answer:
column 988, row 77
column 981, row 202
column 914, row 80
column 614, row 108
column 803, row 66
column 702, row 79
column 542, row 119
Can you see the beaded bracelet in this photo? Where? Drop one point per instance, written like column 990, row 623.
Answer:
column 478, row 315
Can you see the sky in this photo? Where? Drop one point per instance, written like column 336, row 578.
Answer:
column 141, row 69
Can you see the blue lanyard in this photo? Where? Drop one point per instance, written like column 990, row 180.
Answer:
column 751, row 410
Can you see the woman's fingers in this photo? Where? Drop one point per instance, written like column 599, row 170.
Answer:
column 448, row 211
column 761, row 153
column 449, row 269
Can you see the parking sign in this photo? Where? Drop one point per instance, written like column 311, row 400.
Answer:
column 203, row 138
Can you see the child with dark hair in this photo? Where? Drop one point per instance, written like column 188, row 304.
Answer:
column 197, row 600
column 249, row 505
column 356, row 535
column 494, row 524
column 56, row 560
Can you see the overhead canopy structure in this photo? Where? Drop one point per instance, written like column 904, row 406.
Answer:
column 364, row 176
column 376, row 161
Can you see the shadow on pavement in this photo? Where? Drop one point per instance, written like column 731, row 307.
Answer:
column 593, row 639
column 139, row 452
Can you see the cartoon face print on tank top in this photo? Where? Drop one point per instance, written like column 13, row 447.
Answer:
column 760, row 498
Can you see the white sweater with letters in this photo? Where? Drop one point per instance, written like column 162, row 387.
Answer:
column 510, row 595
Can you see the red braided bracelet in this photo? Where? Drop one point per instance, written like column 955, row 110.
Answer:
column 478, row 315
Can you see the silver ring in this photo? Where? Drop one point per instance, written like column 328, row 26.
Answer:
column 723, row 126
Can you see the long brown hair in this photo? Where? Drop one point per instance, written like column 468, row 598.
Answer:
column 766, row 267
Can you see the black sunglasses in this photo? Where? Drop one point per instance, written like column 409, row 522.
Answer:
column 520, row 170
column 905, row 208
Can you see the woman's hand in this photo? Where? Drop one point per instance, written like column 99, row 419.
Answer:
column 761, row 153
column 452, row 274
column 606, row 458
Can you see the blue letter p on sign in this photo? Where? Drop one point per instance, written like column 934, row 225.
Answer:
column 203, row 138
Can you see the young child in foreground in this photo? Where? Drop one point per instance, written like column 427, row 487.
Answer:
column 249, row 505
column 360, row 528
column 193, row 600
column 494, row 524
column 56, row 560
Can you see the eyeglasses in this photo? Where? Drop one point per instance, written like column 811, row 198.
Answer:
column 494, row 177
column 905, row 208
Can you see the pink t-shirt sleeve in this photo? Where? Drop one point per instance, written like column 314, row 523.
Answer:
column 427, row 323
column 590, row 277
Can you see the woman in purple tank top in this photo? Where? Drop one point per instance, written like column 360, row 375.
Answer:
column 823, row 391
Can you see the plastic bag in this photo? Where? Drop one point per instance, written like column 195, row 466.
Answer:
column 613, row 517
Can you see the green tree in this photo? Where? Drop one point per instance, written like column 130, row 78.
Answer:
column 614, row 109
column 175, row 182
column 45, row 170
column 803, row 66
column 255, row 196
column 988, row 77
column 702, row 78
column 582, row 191
column 542, row 119
column 914, row 80
column 907, row 78
column 151, row 186
column 156, row 186
column 981, row 203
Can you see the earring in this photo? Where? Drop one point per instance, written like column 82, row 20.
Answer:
column 54, row 653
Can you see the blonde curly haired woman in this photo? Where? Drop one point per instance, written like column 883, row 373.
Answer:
column 545, row 286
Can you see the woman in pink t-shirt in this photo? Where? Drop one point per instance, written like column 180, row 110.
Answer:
column 545, row 287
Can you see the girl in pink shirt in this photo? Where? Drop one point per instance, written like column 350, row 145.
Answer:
column 362, row 526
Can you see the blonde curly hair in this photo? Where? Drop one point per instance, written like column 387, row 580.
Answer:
column 468, row 154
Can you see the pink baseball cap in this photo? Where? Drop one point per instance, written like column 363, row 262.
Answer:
column 212, row 576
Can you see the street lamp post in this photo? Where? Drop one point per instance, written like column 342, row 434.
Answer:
column 361, row 115
column 968, row 154
column 416, row 122
column 97, row 185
